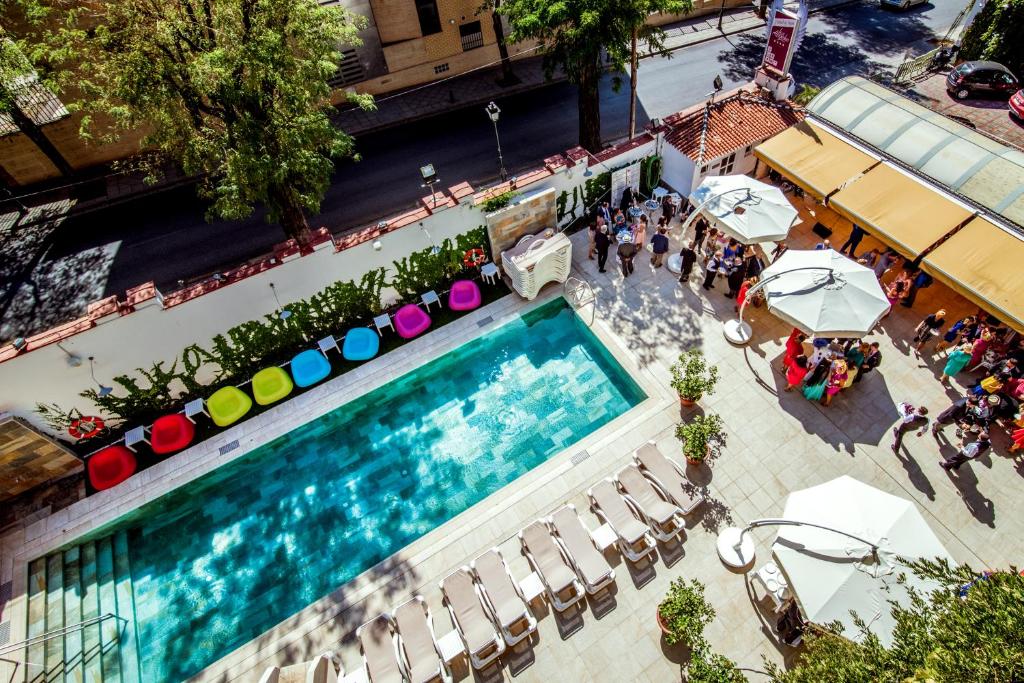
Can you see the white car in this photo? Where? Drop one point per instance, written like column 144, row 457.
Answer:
column 901, row 4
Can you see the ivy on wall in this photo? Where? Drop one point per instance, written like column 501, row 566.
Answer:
column 246, row 348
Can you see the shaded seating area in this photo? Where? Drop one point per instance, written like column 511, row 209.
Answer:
column 270, row 385
column 228, row 405
column 171, row 433
column 361, row 343
column 411, row 321
column 110, row 466
column 309, row 367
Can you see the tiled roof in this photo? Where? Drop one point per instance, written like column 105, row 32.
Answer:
column 731, row 123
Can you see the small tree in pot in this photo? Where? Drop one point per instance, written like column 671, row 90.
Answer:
column 697, row 434
column 684, row 613
column 692, row 377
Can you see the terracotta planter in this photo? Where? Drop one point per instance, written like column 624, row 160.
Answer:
column 697, row 461
column 687, row 403
column 661, row 622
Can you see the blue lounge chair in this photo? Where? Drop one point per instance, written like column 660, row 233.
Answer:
column 361, row 343
column 309, row 367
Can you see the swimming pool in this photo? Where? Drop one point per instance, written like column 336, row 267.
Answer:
column 224, row 558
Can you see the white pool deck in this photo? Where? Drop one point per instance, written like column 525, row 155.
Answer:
column 776, row 443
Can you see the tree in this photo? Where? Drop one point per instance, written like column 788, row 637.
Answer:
column 235, row 91
column 996, row 34
column 954, row 634
column 576, row 34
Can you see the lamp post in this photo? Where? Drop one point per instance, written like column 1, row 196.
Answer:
column 736, row 548
column 737, row 331
column 103, row 389
column 493, row 112
column 721, row 11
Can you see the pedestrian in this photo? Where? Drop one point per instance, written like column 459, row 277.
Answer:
column 836, row 381
column 668, row 208
column 700, row 227
column 606, row 212
column 779, row 250
column 980, row 346
column 603, row 240
column 711, row 269
column 734, row 277
column 954, row 333
column 921, row 281
column 824, row 244
column 659, row 247
column 816, row 381
column 796, row 370
column 795, row 344
column 884, row 263
column 956, row 361
column 741, row 297
column 856, row 354
column 968, row 451
column 731, row 250
column 954, row 413
column 626, row 200
column 640, row 233
column 853, row 241
column 909, row 419
column 711, row 246
column 869, row 259
column 620, row 222
column 871, row 361
column 591, row 234
column 928, row 328
column 821, row 351
column 1017, row 437
column 687, row 257
column 897, row 289
column 626, row 251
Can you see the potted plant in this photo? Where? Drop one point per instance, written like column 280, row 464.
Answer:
column 697, row 434
column 692, row 377
column 710, row 667
column 684, row 612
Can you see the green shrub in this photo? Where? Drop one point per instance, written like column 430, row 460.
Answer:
column 710, row 667
column 697, row 434
column 692, row 377
column 500, row 201
column 685, row 612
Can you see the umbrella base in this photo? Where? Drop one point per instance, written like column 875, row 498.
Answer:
column 674, row 263
column 737, row 332
column 735, row 548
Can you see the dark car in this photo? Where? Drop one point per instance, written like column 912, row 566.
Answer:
column 981, row 78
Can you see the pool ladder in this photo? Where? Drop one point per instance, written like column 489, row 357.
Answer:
column 579, row 294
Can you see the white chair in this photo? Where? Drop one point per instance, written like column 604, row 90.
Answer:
column 133, row 436
column 430, row 298
column 381, row 321
column 490, row 273
column 328, row 343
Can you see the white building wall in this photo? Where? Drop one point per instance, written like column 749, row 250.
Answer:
column 678, row 170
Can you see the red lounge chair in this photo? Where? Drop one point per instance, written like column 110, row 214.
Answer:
column 171, row 433
column 110, row 467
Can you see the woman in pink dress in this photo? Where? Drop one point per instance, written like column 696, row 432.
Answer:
column 979, row 348
column 835, row 381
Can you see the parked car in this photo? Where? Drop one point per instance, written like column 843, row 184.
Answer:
column 1017, row 105
column 981, row 78
column 901, row 4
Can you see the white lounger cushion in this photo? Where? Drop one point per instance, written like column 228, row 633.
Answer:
column 378, row 643
column 663, row 471
column 594, row 570
column 417, row 639
column 643, row 492
column 510, row 610
column 556, row 573
column 476, row 628
column 617, row 513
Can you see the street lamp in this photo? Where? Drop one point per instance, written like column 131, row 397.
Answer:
column 493, row 112
column 736, row 548
column 103, row 390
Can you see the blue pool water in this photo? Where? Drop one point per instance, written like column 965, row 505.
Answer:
column 222, row 559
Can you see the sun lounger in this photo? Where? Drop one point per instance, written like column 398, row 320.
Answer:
column 482, row 640
column 668, row 477
column 319, row 670
column 417, row 644
column 380, row 652
column 635, row 538
column 664, row 518
column 575, row 539
column 501, row 596
column 548, row 560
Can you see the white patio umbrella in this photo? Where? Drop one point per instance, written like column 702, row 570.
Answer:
column 831, row 574
column 744, row 208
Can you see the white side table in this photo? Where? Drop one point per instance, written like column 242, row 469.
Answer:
column 451, row 646
column 489, row 271
column 532, row 587
column 430, row 298
column 195, row 407
column 381, row 321
column 328, row 343
column 604, row 537
column 134, row 436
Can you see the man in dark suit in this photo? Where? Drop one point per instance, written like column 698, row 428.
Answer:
column 688, row 255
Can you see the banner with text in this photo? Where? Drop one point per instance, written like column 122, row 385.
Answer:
column 781, row 41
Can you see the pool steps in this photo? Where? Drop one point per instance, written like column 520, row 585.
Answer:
column 74, row 585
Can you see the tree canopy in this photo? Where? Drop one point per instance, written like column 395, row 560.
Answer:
column 577, row 35
column 969, row 629
column 997, row 34
column 235, row 91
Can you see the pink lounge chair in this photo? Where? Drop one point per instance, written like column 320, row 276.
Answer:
column 464, row 296
column 411, row 321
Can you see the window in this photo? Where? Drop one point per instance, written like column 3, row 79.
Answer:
column 727, row 163
column 430, row 20
column 472, row 36
column 704, row 168
column 441, row 68
column 349, row 71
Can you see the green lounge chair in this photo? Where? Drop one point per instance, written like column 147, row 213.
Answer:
column 270, row 385
column 228, row 405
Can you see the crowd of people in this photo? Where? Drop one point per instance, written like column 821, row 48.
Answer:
column 626, row 229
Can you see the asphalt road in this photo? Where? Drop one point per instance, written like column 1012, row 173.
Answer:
column 165, row 237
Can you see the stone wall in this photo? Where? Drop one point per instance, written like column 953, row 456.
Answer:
column 29, row 459
column 528, row 216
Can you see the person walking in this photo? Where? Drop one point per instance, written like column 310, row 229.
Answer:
column 968, row 451
column 953, row 414
column 687, row 257
column 711, row 270
column 659, row 247
column 956, row 361
column 910, row 418
column 928, row 328
column 602, row 242
column 627, row 250
column 871, row 361
column 853, row 241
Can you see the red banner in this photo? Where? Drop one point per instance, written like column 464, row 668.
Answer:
column 780, row 43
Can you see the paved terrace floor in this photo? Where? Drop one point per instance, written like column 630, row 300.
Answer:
column 777, row 442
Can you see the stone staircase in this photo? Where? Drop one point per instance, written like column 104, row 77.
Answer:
column 77, row 585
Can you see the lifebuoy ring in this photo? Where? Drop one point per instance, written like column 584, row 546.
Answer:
column 474, row 257
column 86, row 427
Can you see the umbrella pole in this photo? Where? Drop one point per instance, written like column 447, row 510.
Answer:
column 739, row 332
